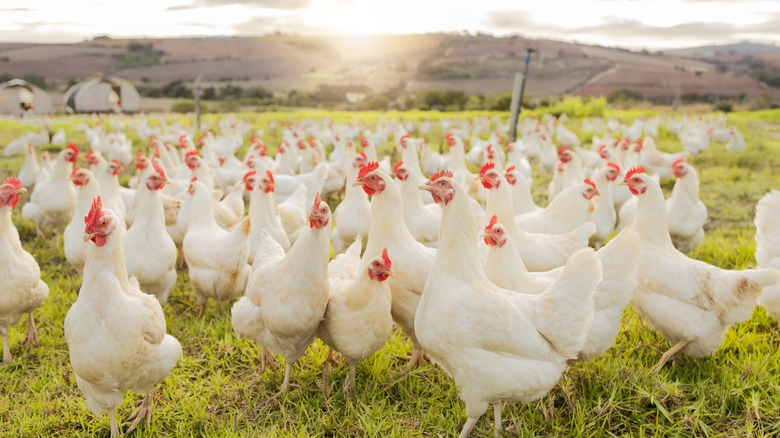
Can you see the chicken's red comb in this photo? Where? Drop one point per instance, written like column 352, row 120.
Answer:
column 614, row 166
column 363, row 154
column 441, row 173
column 367, row 168
column 90, row 154
column 562, row 149
column 386, row 258
column 449, row 135
column 74, row 148
column 250, row 173
column 75, row 169
column 397, row 166
column 194, row 178
column 160, row 171
column 493, row 221
column 510, row 168
column 602, row 147
column 634, row 170
column 270, row 175
column 191, row 153
column 487, row 166
column 590, row 183
column 317, row 201
column 13, row 182
column 116, row 162
column 94, row 215
column 678, row 161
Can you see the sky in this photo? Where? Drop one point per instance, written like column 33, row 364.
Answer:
column 634, row 24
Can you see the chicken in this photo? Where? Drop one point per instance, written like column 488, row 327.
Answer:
column 30, row 170
column 293, row 212
column 229, row 211
column 52, row 201
column 736, row 141
column 286, row 295
column 691, row 303
column 604, row 215
column 351, row 216
column 21, row 288
column 568, row 211
column 540, row 252
column 421, row 219
column 685, row 212
column 520, row 186
column 262, row 212
column 115, row 333
column 768, row 247
column 618, row 260
column 413, row 260
column 110, row 190
column 568, row 172
column 216, row 258
column 496, row 344
column 357, row 321
column 75, row 247
column 150, row 254
column 658, row 162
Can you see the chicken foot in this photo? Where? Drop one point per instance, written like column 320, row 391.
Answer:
column 497, row 413
column 286, row 383
column 669, row 354
column 31, row 338
column 414, row 360
column 266, row 356
column 350, row 383
column 144, row 412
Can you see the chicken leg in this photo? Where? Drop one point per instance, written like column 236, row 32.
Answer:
column 497, row 412
column 266, row 356
column 144, row 412
column 114, row 425
column 415, row 359
column 467, row 427
column 7, row 358
column 327, row 364
column 669, row 354
column 349, row 384
column 286, row 383
column 31, row 338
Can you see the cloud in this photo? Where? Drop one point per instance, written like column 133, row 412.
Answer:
column 15, row 10
column 264, row 4
column 614, row 27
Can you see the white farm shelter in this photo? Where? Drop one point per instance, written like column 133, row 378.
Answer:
column 102, row 95
column 20, row 97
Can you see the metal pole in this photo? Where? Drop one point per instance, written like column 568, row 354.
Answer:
column 517, row 96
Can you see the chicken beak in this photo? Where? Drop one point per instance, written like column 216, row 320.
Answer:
column 21, row 190
column 426, row 187
column 88, row 236
column 623, row 183
column 357, row 183
column 389, row 272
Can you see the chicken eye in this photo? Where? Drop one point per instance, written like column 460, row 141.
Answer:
column 499, row 231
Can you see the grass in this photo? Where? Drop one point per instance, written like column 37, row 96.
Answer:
column 217, row 390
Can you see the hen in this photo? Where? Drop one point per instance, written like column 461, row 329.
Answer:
column 413, row 260
column 496, row 344
column 286, row 295
column 21, row 288
column 618, row 260
column 685, row 211
column 52, row 200
column 351, row 216
column 75, row 247
column 150, row 254
column 691, row 303
column 768, row 247
column 421, row 219
column 216, row 258
column 116, row 334
column 520, row 186
column 357, row 321
column 262, row 212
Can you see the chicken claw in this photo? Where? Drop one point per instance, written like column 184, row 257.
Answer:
column 31, row 338
column 669, row 354
column 143, row 412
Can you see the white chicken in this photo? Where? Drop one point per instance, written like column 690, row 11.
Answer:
column 30, row 170
column 21, row 288
column 357, row 321
column 422, row 219
column 75, row 248
column 351, row 216
column 116, row 334
column 618, row 260
column 567, row 212
column 52, row 201
column 520, row 186
column 216, row 258
column 286, row 295
column 691, row 303
column 604, row 215
column 413, row 260
column 768, row 247
column 496, row 344
column 684, row 210
column 262, row 212
column 150, row 254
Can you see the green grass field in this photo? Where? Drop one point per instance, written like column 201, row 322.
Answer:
column 217, row 390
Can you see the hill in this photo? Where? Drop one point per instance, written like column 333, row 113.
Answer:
column 474, row 64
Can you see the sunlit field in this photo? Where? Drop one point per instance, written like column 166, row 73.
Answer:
column 217, row 388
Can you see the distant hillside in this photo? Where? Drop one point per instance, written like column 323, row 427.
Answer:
column 475, row 64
